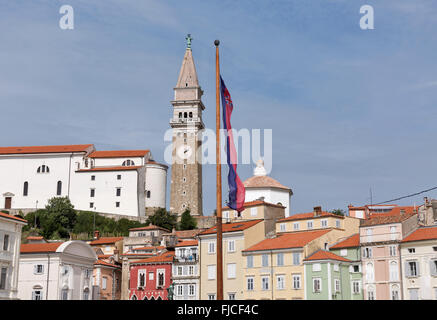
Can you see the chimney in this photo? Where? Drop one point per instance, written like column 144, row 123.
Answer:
column 116, row 255
column 317, row 211
column 96, row 234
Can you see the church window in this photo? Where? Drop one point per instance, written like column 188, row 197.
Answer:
column 43, row 169
column 25, row 188
column 190, row 114
column 128, row 163
column 185, row 115
column 148, row 194
column 59, row 188
column 118, row 192
column 180, row 115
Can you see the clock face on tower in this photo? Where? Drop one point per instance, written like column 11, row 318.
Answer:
column 184, row 152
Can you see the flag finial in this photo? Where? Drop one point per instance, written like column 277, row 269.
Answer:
column 188, row 38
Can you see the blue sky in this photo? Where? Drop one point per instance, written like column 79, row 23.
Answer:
column 350, row 109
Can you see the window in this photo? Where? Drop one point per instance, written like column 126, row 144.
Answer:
column 253, row 212
column 296, row 281
column 25, row 188
column 317, row 267
column 231, row 296
column 87, row 273
column 343, row 252
column 6, row 242
column 118, row 192
column 265, row 260
column 190, row 270
column 317, row 285
column 336, row 267
column 433, row 267
column 280, row 259
column 265, row 283
column 392, row 251
column 179, row 290
column 43, row 169
column 148, row 194
column 3, row 278
column 104, row 283
column 394, row 271
column 355, row 287
column 369, row 235
column 369, row 272
column 93, row 178
column 434, row 248
column 232, row 269
column 356, row 268
column 337, row 223
column 296, row 258
column 411, row 250
column 370, row 294
column 86, row 294
column 38, row 269
column 118, row 176
column 324, row 223
column 309, row 225
column 231, row 245
column 151, row 276
column 211, row 272
column 59, row 188
column 211, row 247
column 211, row 296
column 337, row 285
column 36, row 295
column 92, row 193
column 128, row 163
column 91, row 205
column 412, row 269
column 249, row 261
column 64, row 294
column 414, row 294
column 161, row 279
column 141, row 278
column 249, row 283
column 117, row 204
column 393, row 233
column 191, row 290
column 296, row 226
column 367, row 252
column 179, row 271
column 282, row 227
column 280, row 282
column 395, row 293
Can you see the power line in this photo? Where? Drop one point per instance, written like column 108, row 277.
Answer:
column 408, row 196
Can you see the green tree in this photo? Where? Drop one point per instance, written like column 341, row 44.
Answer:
column 162, row 218
column 339, row 212
column 187, row 221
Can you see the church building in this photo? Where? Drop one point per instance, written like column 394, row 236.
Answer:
column 123, row 182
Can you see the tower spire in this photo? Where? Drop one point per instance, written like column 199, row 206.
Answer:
column 188, row 75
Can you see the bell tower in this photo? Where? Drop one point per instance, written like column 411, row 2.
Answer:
column 186, row 169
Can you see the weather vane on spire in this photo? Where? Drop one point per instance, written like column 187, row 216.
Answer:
column 188, row 38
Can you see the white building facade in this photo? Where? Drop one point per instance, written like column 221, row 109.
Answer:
column 124, row 182
column 10, row 241
column 56, row 271
column 185, row 274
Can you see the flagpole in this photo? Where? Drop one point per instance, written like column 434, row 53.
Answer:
column 219, row 179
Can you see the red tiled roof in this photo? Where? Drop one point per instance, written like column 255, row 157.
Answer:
column 104, row 256
column 138, row 254
column 257, row 203
column 149, row 227
column 39, row 247
column 8, row 216
column 106, row 264
column 263, row 182
column 187, row 243
column 325, row 255
column 385, row 219
column 350, row 242
column 232, row 227
column 162, row 258
column 423, row 233
column 115, row 168
column 396, row 211
column 105, row 240
column 188, row 233
column 149, row 248
column 45, row 149
column 288, row 240
column 118, row 153
column 310, row 215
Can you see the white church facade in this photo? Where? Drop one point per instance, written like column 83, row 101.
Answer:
column 123, row 182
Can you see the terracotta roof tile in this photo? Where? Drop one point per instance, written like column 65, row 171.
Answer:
column 149, row 227
column 310, row 215
column 188, row 233
column 9, row 216
column 325, row 255
column 423, row 233
column 385, row 219
column 46, row 149
column 263, row 182
column 187, row 243
column 118, row 153
column 105, row 240
column 232, row 227
column 162, row 258
column 115, row 168
column 39, row 247
column 288, row 240
column 350, row 242
column 149, row 248
column 106, row 264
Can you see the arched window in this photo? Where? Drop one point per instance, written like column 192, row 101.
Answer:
column 128, row 163
column 134, row 297
column 394, row 271
column 25, row 188
column 190, row 114
column 86, row 294
column 59, row 188
column 369, row 272
column 180, row 115
column 43, row 169
column 185, row 114
column 395, row 292
column 64, row 293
